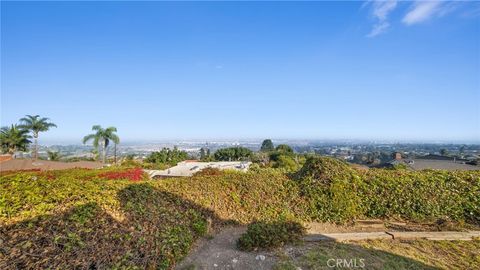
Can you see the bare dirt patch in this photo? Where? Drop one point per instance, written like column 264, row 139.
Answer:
column 220, row 252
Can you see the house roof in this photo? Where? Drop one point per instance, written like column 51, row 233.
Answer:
column 190, row 167
column 422, row 164
column 440, row 157
column 5, row 158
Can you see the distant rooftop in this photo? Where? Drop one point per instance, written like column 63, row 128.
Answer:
column 450, row 165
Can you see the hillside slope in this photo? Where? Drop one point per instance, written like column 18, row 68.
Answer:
column 85, row 219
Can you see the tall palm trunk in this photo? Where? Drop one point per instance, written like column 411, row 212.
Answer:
column 104, row 152
column 35, row 150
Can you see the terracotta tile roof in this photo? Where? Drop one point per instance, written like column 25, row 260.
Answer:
column 5, row 157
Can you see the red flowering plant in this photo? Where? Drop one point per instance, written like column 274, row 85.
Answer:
column 134, row 174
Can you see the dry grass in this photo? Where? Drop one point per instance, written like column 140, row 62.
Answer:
column 386, row 254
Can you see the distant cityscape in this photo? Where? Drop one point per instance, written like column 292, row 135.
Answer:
column 368, row 153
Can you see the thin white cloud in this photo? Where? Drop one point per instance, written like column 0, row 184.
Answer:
column 422, row 11
column 418, row 12
column 379, row 28
column 380, row 11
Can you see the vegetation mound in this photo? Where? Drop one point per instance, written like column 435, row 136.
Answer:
column 330, row 188
column 324, row 170
column 268, row 235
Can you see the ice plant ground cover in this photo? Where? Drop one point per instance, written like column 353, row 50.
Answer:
column 109, row 219
column 134, row 174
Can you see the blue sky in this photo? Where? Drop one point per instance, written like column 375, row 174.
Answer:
column 237, row 70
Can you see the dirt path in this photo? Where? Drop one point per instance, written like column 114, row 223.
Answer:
column 221, row 252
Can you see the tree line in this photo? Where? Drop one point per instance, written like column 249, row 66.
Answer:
column 18, row 137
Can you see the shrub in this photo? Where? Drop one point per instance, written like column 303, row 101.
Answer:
column 286, row 162
column 284, row 148
column 209, row 172
column 167, row 156
column 233, row 153
column 265, row 235
column 324, row 170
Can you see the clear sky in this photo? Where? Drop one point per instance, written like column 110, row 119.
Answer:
column 204, row 70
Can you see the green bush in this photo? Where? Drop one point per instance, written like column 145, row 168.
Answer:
column 286, row 162
column 268, row 235
column 233, row 154
column 166, row 156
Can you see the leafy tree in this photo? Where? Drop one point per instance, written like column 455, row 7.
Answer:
column 261, row 157
column 14, row 139
column 233, row 154
column 102, row 138
column 285, row 148
column 36, row 124
column 204, row 153
column 281, row 150
column 286, row 162
column 54, row 156
column 443, row 152
column 167, row 156
column 267, row 146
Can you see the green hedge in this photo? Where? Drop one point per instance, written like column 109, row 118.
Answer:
column 337, row 192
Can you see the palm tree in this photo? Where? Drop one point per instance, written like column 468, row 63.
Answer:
column 102, row 137
column 35, row 124
column 14, row 139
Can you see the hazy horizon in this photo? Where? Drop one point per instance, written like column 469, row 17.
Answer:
column 49, row 142
column 371, row 71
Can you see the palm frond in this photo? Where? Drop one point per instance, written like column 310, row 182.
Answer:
column 88, row 138
column 96, row 141
column 111, row 129
column 115, row 138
